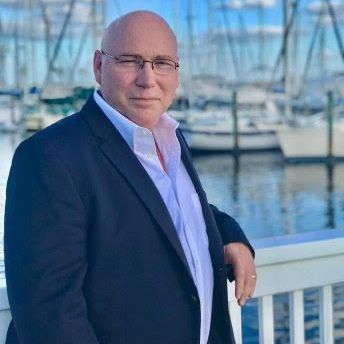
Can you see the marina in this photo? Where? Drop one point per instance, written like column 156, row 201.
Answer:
column 260, row 104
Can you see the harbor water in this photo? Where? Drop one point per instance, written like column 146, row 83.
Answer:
column 269, row 198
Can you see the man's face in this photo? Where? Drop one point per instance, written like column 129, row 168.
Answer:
column 141, row 96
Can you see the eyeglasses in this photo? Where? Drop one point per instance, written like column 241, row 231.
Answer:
column 133, row 63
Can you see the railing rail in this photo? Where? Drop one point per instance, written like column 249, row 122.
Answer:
column 291, row 264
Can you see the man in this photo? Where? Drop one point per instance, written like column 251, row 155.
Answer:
column 108, row 234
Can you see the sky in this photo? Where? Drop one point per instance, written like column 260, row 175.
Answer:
column 256, row 56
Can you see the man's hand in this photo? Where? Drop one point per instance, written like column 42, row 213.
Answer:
column 240, row 257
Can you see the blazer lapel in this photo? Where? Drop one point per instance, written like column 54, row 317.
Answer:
column 124, row 160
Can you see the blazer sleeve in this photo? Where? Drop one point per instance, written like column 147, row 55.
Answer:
column 229, row 229
column 45, row 250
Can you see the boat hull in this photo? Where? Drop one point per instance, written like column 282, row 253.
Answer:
column 310, row 143
column 224, row 141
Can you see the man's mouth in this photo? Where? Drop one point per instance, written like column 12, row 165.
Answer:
column 144, row 99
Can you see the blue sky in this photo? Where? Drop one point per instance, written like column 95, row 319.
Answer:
column 175, row 12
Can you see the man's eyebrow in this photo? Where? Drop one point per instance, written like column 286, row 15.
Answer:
column 166, row 57
column 160, row 57
column 128, row 55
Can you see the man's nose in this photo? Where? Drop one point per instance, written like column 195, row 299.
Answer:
column 146, row 76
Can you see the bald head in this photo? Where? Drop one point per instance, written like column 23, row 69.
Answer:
column 141, row 94
column 131, row 26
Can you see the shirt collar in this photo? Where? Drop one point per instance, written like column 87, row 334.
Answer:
column 129, row 129
column 125, row 127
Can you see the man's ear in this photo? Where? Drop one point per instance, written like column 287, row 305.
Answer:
column 97, row 65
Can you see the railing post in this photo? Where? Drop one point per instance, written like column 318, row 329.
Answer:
column 235, row 123
column 330, row 127
column 266, row 320
column 326, row 314
column 296, row 316
column 235, row 313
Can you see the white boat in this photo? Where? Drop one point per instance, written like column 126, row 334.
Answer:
column 212, row 129
column 216, row 134
column 309, row 141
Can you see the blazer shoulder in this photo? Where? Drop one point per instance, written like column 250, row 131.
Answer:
column 69, row 132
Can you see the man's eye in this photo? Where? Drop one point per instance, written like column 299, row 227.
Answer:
column 128, row 62
column 163, row 63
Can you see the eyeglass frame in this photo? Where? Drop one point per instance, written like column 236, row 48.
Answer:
column 117, row 58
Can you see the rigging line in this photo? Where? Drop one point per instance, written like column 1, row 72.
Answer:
column 46, row 30
column 245, row 51
column 78, row 53
column 336, row 28
column 284, row 42
column 230, row 40
column 59, row 40
column 310, row 50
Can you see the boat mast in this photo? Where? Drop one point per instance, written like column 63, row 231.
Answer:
column 229, row 37
column 209, row 34
column 286, row 62
column 261, row 22
column 31, row 42
column 336, row 28
column 16, row 57
column 176, row 17
column 190, row 50
column 295, row 51
column 78, row 54
column 59, row 42
column 322, row 47
column 94, row 24
column 311, row 48
column 2, row 56
column 46, row 22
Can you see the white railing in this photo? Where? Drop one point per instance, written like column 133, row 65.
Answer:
column 291, row 264
column 287, row 264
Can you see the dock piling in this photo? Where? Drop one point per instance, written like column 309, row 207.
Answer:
column 235, row 123
column 330, row 127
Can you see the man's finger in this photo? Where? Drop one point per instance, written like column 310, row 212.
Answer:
column 239, row 282
column 250, row 284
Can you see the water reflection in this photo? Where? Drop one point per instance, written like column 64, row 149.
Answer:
column 330, row 196
column 235, row 178
column 270, row 197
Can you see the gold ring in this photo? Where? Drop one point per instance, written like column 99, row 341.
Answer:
column 254, row 276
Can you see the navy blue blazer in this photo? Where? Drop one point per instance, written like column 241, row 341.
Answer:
column 91, row 253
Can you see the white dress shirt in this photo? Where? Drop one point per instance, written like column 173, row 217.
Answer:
column 178, row 193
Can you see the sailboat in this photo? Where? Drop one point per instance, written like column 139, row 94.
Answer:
column 212, row 128
column 309, row 141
